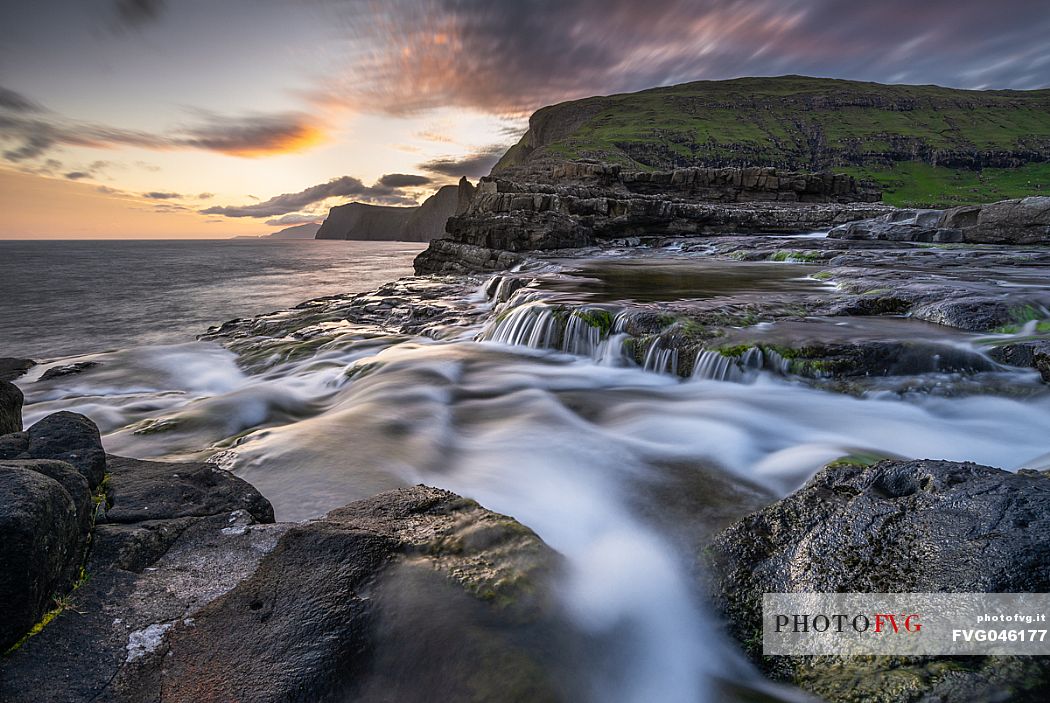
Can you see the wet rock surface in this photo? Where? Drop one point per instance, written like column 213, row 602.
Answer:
column 67, row 370
column 150, row 490
column 191, row 592
column 11, row 400
column 42, row 507
column 222, row 607
column 1018, row 221
column 11, row 368
column 907, row 526
column 68, row 437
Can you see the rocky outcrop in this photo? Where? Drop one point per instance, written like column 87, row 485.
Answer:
column 374, row 602
column 726, row 185
column 407, row 224
column 896, row 526
column 590, row 203
column 464, row 194
column 445, row 256
column 1033, row 354
column 306, row 230
column 11, row 400
column 1020, row 221
column 191, row 592
column 67, row 370
column 365, row 222
column 11, row 368
column 45, row 512
column 63, row 436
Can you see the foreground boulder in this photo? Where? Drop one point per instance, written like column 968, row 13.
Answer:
column 63, row 436
column 11, row 400
column 1018, row 221
column 896, row 526
column 381, row 600
column 45, row 510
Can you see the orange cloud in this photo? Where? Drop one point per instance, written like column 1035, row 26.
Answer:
column 305, row 137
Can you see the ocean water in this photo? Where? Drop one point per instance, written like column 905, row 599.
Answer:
column 59, row 298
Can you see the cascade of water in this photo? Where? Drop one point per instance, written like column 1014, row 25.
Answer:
column 582, row 336
column 660, row 360
column 589, row 332
column 713, row 366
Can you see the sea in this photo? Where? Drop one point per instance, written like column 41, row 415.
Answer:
column 59, row 298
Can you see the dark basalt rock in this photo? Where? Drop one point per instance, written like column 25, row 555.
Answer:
column 1018, row 221
column 151, row 490
column 11, row 367
column 11, row 400
column 71, row 438
column 1033, row 354
column 41, row 544
column 445, row 256
column 896, row 526
column 375, row 602
column 581, row 204
column 67, row 370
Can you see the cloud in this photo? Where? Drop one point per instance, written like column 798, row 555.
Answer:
column 512, row 57
column 255, row 135
column 345, row 186
column 205, row 196
column 16, row 102
column 476, row 164
column 403, row 180
column 77, row 175
column 159, row 195
column 249, row 136
column 135, row 13
column 295, row 219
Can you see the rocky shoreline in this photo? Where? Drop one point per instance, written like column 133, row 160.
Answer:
column 135, row 580
column 175, row 584
column 130, row 580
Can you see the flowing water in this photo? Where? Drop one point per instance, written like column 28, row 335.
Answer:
column 538, row 413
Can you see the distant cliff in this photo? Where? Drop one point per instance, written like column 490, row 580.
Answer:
column 306, row 231
column 407, row 224
column 924, row 145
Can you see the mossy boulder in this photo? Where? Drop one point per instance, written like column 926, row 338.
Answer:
column 42, row 539
column 891, row 527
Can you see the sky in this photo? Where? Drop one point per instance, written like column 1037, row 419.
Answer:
column 216, row 118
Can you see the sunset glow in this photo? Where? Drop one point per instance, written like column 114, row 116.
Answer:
column 195, row 97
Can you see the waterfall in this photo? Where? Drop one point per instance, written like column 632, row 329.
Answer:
column 590, row 332
column 581, row 336
column 712, row 365
column 661, row 360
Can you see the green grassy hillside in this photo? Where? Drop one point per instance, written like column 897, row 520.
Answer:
column 925, row 145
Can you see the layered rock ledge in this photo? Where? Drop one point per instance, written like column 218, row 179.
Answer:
column 584, row 204
column 1018, row 221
